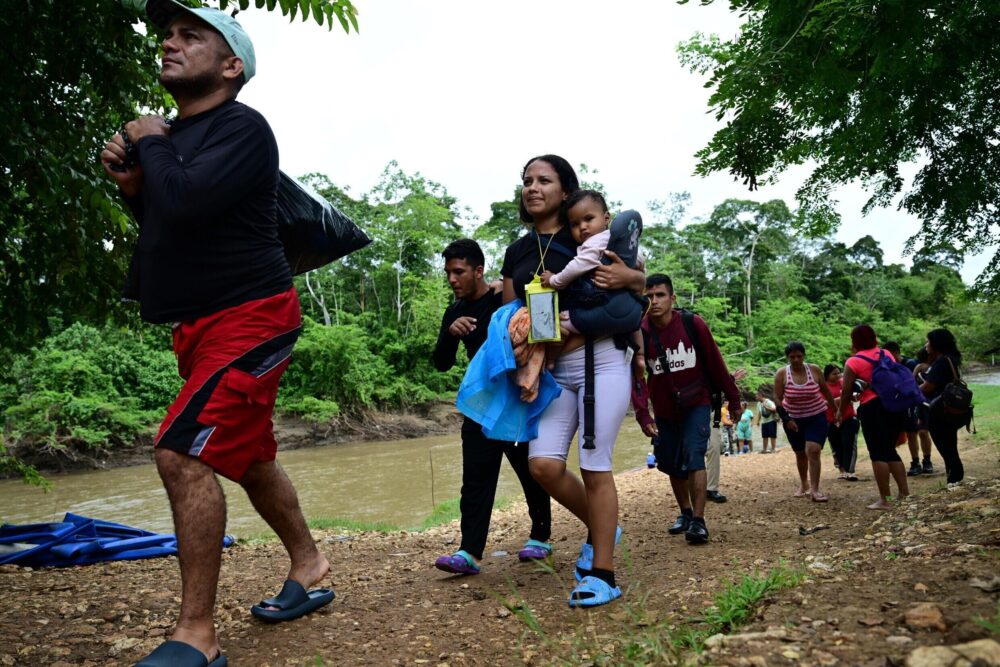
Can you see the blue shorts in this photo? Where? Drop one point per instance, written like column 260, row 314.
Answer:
column 769, row 429
column 811, row 429
column 682, row 445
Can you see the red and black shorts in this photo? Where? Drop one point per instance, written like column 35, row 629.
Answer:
column 231, row 362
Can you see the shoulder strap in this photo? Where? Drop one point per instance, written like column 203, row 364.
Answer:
column 588, row 395
column 687, row 319
column 954, row 373
column 654, row 334
column 555, row 245
column 873, row 362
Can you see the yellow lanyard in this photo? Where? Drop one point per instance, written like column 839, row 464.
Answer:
column 542, row 253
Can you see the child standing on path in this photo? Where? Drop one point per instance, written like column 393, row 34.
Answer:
column 728, row 435
column 768, row 419
column 744, row 431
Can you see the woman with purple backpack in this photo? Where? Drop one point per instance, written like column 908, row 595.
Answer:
column 881, row 427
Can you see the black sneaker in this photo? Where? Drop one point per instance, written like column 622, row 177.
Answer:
column 696, row 533
column 680, row 526
column 927, row 468
column 715, row 496
column 915, row 469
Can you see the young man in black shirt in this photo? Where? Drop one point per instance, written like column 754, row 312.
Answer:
column 208, row 260
column 467, row 320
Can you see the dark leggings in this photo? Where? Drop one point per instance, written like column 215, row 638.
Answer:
column 944, row 433
column 881, row 429
column 481, row 459
column 844, row 443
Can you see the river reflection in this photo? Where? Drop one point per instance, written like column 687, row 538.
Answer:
column 366, row 481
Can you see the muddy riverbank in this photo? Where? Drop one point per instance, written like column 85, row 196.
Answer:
column 866, row 574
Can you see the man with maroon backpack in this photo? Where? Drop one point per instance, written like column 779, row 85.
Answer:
column 684, row 367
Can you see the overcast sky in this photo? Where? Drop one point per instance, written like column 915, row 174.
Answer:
column 466, row 91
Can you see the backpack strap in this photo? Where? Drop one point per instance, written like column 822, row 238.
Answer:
column 954, row 373
column 555, row 245
column 687, row 319
column 588, row 395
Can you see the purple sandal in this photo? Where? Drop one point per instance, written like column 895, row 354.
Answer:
column 534, row 550
column 459, row 562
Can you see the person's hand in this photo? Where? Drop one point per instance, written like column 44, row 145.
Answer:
column 463, row 326
column 650, row 430
column 739, row 374
column 128, row 179
column 145, row 126
column 546, row 276
column 791, row 425
column 496, row 286
column 612, row 276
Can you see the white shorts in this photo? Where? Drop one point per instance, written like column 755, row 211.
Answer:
column 564, row 416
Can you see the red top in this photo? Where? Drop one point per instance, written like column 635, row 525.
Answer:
column 686, row 367
column 863, row 370
column 837, row 391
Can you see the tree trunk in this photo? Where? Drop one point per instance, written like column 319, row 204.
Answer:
column 318, row 299
column 747, row 301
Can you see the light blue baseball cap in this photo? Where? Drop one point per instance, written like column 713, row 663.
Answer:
column 163, row 12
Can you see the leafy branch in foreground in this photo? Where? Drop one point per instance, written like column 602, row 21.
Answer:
column 859, row 88
column 323, row 11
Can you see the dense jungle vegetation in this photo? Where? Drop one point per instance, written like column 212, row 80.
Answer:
column 856, row 88
column 92, row 385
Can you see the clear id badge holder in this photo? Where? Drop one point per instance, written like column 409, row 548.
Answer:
column 543, row 312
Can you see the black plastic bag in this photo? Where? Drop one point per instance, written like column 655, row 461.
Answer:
column 312, row 230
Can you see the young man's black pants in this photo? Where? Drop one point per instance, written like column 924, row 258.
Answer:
column 481, row 459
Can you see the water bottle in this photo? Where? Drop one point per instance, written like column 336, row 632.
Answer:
column 651, row 460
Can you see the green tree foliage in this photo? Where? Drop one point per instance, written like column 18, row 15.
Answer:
column 857, row 89
column 72, row 73
column 372, row 318
column 82, row 392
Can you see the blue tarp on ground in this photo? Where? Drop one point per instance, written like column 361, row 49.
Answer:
column 79, row 540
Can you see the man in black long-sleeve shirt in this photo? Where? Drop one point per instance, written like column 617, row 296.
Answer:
column 208, row 259
column 467, row 320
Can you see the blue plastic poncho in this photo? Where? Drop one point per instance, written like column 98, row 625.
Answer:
column 489, row 396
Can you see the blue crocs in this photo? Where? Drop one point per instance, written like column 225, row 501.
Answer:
column 593, row 592
column 585, row 561
column 534, row 550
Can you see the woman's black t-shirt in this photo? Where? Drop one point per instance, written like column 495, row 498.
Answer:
column 940, row 374
column 521, row 260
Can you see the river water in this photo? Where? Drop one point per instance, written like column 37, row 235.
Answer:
column 365, row 481
column 389, row 481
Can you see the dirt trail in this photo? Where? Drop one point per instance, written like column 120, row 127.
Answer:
column 864, row 573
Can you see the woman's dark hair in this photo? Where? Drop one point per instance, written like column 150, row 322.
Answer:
column 943, row 342
column 567, row 180
column 578, row 197
column 863, row 337
column 795, row 346
column 829, row 368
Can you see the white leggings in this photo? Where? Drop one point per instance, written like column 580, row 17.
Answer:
column 564, row 416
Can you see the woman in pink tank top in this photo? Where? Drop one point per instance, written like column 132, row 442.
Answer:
column 803, row 399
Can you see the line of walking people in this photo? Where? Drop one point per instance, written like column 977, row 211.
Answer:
column 667, row 364
column 818, row 406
